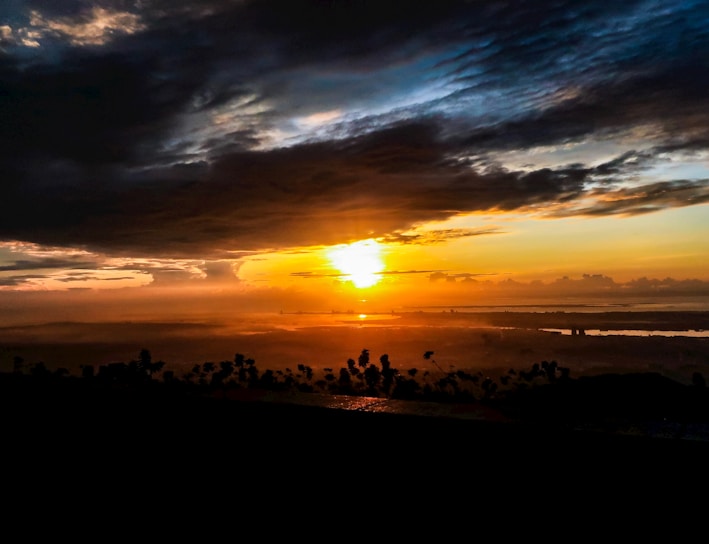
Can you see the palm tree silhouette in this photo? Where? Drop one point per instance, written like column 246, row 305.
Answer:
column 427, row 356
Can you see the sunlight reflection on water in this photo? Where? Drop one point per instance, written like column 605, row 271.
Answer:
column 297, row 321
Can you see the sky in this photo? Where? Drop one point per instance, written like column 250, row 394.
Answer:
column 157, row 156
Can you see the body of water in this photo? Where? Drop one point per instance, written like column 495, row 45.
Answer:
column 631, row 332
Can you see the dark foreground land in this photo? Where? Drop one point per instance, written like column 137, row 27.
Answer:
column 73, row 429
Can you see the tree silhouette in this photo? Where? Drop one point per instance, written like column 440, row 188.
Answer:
column 345, row 380
column 388, row 374
column 39, row 370
column 372, row 375
column 145, row 367
column 428, row 357
column 17, row 363
column 363, row 359
column 145, row 361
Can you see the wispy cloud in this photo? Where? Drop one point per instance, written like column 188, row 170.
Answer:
column 438, row 236
column 48, row 263
column 93, row 26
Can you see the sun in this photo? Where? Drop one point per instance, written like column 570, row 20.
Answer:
column 360, row 262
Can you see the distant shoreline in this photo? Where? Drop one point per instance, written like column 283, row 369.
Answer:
column 612, row 320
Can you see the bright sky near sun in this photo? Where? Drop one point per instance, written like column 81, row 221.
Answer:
column 291, row 151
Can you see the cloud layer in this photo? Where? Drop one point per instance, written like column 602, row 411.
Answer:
column 147, row 130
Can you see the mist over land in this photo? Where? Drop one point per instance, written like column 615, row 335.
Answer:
column 488, row 341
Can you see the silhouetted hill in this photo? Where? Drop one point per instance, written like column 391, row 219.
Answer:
column 574, row 414
column 643, row 396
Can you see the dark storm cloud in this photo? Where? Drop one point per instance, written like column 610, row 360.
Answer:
column 307, row 194
column 156, row 134
column 90, row 111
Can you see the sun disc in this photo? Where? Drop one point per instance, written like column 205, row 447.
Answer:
column 359, row 262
